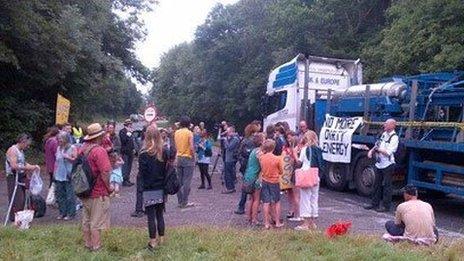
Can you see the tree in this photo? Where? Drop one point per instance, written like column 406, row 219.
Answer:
column 79, row 48
column 421, row 36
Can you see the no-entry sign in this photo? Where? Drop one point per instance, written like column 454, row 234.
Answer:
column 150, row 114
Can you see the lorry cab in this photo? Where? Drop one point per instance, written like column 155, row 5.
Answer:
column 285, row 93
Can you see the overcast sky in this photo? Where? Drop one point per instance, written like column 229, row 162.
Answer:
column 172, row 22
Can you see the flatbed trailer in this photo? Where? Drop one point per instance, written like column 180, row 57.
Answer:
column 430, row 112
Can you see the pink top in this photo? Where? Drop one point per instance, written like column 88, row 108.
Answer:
column 51, row 146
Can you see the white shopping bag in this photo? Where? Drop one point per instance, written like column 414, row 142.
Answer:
column 36, row 183
column 51, row 195
column 23, row 218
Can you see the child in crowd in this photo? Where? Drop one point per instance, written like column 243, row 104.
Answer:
column 271, row 170
column 116, row 175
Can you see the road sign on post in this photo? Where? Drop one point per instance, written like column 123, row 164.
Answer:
column 150, row 114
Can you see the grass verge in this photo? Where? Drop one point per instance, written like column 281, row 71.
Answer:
column 194, row 243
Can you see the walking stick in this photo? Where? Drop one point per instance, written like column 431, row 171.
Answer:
column 10, row 206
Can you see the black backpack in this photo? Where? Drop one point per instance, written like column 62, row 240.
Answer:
column 82, row 178
column 400, row 152
column 245, row 148
column 171, row 181
column 38, row 205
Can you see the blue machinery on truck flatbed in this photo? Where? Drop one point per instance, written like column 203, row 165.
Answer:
column 430, row 111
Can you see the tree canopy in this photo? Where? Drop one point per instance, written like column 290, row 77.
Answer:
column 223, row 72
column 79, row 48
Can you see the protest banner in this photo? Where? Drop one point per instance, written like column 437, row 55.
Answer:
column 335, row 137
column 62, row 109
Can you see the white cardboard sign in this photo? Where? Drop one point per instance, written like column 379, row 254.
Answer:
column 335, row 137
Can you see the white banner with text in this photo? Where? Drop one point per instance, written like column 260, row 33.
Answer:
column 335, row 137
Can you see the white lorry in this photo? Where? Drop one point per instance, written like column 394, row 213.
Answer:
column 285, row 95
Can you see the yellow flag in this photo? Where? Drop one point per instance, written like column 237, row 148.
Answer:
column 62, row 109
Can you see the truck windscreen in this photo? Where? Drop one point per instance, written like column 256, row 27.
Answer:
column 276, row 102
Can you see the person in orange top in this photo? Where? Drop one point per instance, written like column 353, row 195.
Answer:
column 271, row 170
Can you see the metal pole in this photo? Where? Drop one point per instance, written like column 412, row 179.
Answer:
column 13, row 196
column 367, row 98
column 305, row 91
column 412, row 108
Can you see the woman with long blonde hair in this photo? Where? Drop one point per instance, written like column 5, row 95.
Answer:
column 310, row 157
column 152, row 171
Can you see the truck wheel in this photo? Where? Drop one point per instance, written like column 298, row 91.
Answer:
column 336, row 177
column 364, row 177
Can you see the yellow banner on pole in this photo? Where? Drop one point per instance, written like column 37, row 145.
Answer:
column 62, row 109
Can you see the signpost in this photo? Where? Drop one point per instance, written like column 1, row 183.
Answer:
column 150, row 114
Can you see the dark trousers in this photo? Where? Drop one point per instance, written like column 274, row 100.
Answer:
column 229, row 176
column 139, row 195
column 19, row 199
column 65, row 198
column 204, row 173
column 51, row 179
column 242, row 202
column 383, row 187
column 155, row 220
column 398, row 230
column 127, row 167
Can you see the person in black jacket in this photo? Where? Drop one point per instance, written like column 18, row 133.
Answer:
column 127, row 151
column 152, row 171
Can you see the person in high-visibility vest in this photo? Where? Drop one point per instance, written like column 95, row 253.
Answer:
column 77, row 133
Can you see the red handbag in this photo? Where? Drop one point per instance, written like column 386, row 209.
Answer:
column 306, row 178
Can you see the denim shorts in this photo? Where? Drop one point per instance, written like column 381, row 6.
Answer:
column 270, row 192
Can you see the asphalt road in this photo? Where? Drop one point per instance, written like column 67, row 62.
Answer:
column 214, row 209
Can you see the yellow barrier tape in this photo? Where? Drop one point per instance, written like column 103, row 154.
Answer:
column 423, row 124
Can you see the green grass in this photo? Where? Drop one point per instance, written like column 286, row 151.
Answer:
column 194, row 243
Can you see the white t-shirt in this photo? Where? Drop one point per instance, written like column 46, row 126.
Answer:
column 388, row 142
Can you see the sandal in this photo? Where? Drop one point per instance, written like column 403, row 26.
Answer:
column 150, row 247
column 290, row 214
column 302, row 228
column 280, row 225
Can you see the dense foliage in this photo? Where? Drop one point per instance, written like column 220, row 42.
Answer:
column 222, row 74
column 79, row 48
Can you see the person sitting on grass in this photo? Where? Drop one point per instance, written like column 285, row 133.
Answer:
column 271, row 170
column 414, row 220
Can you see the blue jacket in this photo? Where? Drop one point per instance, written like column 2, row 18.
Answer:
column 231, row 145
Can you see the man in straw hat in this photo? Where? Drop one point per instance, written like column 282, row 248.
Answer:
column 96, row 215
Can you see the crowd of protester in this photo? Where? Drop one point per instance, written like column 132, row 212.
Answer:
column 268, row 161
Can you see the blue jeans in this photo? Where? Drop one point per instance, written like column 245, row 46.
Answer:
column 230, row 175
column 65, row 198
column 398, row 230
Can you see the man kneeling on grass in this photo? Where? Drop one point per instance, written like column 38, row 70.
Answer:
column 271, row 170
column 415, row 220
